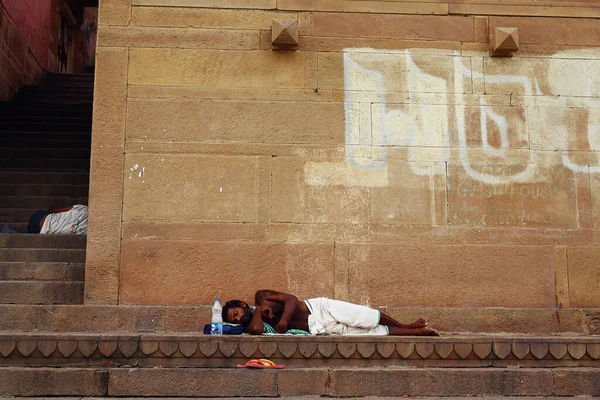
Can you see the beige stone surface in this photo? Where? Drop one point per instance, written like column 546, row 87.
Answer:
column 114, row 12
column 524, row 8
column 236, row 121
column 302, row 382
column 186, row 230
column 174, row 92
column 456, row 276
column 205, row 17
column 106, row 177
column 400, row 73
column 452, row 28
column 555, row 76
column 232, row 148
column 190, row 188
column 294, row 199
column 408, row 199
column 125, row 319
column 404, row 7
column 190, row 382
column 346, row 382
column 318, row 232
column 186, row 318
column 263, row 4
column 481, row 235
column 567, row 128
column 565, row 31
column 584, row 276
column 332, row 43
column 150, row 274
column 53, row 382
column 342, row 271
column 242, row 69
column 489, row 195
column 482, row 29
column 179, row 38
column 493, row 319
column 595, row 192
column 562, row 277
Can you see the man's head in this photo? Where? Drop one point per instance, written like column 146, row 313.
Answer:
column 237, row 312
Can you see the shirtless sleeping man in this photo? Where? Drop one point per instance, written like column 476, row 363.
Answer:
column 317, row 316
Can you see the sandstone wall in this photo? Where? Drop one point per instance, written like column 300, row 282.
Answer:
column 388, row 161
column 18, row 64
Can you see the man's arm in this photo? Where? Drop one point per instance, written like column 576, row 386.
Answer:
column 256, row 327
column 289, row 306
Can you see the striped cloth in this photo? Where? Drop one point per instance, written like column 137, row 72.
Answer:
column 269, row 330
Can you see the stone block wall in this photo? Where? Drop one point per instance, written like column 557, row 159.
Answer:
column 388, row 161
column 18, row 64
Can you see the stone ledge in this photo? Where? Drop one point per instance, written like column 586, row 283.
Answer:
column 331, row 382
column 175, row 319
column 149, row 350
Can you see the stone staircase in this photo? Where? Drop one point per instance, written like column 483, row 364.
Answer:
column 41, row 269
column 45, row 135
column 192, row 365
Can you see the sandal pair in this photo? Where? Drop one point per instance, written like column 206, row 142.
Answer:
column 261, row 363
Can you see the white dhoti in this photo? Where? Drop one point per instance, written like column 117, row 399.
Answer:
column 334, row 317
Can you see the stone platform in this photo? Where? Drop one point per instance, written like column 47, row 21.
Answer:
column 142, row 365
column 203, row 351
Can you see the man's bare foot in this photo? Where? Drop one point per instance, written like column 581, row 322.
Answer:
column 420, row 323
column 430, row 332
column 397, row 331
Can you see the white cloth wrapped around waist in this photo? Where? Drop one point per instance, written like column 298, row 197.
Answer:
column 334, row 317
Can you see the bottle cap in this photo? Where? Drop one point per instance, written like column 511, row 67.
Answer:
column 216, row 299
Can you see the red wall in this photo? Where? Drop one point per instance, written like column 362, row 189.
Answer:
column 32, row 18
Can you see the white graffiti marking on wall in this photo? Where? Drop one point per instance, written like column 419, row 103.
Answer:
column 374, row 124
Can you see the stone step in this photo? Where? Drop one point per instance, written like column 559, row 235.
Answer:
column 26, row 241
column 57, row 98
column 125, row 318
column 58, row 87
column 42, row 271
column 18, row 227
column 76, row 118
column 40, row 113
column 44, row 164
column 47, row 143
column 46, row 103
column 42, row 255
column 68, row 77
column 41, row 202
column 27, row 189
column 40, row 126
column 46, row 153
column 338, row 382
column 305, row 398
column 16, row 215
column 38, row 292
column 195, row 350
column 55, row 136
column 40, row 178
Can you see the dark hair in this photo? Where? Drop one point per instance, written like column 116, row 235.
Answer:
column 228, row 305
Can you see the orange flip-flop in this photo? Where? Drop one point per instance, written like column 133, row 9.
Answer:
column 261, row 363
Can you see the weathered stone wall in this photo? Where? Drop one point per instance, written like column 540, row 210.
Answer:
column 388, row 161
column 19, row 64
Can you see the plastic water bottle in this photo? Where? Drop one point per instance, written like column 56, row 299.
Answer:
column 216, row 326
